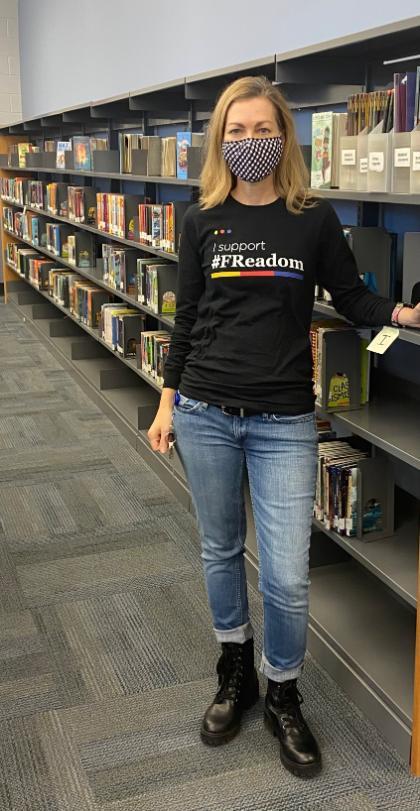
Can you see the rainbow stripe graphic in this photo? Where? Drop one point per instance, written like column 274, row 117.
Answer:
column 225, row 273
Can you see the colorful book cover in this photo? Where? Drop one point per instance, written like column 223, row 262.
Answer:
column 62, row 147
column 322, row 139
column 183, row 140
column 23, row 149
column 82, row 153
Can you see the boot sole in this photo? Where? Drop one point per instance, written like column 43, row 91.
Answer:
column 218, row 738
column 298, row 769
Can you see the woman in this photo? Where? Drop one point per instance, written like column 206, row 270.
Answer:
column 250, row 254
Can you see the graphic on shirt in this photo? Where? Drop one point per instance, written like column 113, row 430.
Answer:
column 229, row 260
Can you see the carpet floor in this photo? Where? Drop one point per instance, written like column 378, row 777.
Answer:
column 107, row 653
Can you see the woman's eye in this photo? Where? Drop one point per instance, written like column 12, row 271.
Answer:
column 233, row 132
column 264, row 129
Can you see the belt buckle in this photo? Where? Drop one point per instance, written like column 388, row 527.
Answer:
column 225, row 410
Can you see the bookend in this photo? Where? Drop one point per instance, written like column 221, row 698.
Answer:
column 379, row 159
column 365, row 242
column 411, row 265
column 34, row 160
column 375, row 496
column 362, row 160
column 68, row 159
column 341, row 370
column 139, row 162
column 401, row 162
column 49, row 160
column 13, row 160
column 106, row 160
column 348, row 162
column 195, row 157
column 415, row 161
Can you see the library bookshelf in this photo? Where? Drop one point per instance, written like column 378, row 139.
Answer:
column 364, row 625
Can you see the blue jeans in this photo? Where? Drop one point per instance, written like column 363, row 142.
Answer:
column 280, row 453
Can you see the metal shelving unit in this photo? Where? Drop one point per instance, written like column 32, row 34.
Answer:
column 362, row 608
column 173, row 257
column 173, row 181
column 93, row 276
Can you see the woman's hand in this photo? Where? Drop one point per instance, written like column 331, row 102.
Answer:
column 160, row 428
column 408, row 317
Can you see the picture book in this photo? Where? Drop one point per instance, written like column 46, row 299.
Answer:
column 62, row 147
column 82, row 152
column 322, row 140
column 183, row 140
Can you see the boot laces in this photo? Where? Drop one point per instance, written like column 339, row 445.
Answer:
column 287, row 701
column 230, row 669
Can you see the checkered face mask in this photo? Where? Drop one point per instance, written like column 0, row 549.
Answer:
column 252, row 159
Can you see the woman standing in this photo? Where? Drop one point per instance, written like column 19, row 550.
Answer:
column 238, row 389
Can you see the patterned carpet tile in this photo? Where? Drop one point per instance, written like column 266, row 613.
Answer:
column 101, row 573
column 11, row 597
column 107, row 652
column 45, row 548
column 146, row 749
column 40, row 769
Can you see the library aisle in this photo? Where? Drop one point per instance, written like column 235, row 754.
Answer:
column 107, row 649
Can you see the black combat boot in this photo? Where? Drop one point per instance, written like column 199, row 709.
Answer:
column 238, row 690
column 299, row 751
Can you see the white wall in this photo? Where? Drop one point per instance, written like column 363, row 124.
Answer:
column 74, row 51
column 10, row 96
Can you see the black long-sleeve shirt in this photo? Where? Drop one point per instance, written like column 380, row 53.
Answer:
column 245, row 297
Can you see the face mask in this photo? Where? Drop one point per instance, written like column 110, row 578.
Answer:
column 253, row 159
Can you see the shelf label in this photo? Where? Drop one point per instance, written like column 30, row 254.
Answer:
column 402, row 157
column 348, row 157
column 363, row 166
column 416, row 161
column 376, row 161
column 383, row 340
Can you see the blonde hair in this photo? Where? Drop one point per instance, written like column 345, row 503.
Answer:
column 291, row 177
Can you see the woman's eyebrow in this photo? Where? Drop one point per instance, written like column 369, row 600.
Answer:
column 238, row 124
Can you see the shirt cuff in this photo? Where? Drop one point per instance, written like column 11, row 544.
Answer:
column 171, row 379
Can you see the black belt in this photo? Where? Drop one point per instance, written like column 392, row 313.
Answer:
column 239, row 412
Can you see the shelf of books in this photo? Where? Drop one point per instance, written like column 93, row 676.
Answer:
column 91, row 204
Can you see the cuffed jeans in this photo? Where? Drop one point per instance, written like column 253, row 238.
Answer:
column 280, row 453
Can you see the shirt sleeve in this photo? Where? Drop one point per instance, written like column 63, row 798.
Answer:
column 337, row 271
column 190, row 286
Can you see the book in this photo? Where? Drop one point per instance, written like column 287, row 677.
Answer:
column 82, row 152
column 169, row 156
column 23, row 150
column 142, row 265
column 339, row 129
column 81, row 204
column 98, row 143
column 62, row 147
column 130, row 326
column 56, row 198
column 153, row 145
column 147, row 349
column 410, row 100
column 127, row 142
column 322, row 139
column 161, row 281
column 81, row 249
column 183, row 140
column 416, row 116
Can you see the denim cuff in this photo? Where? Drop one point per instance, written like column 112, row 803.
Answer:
column 239, row 634
column 276, row 674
